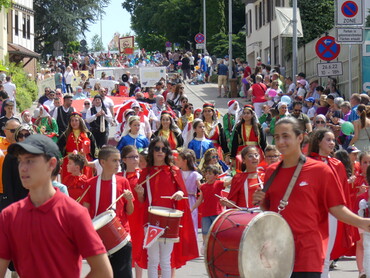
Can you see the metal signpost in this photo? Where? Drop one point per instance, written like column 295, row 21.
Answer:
column 199, row 39
column 327, row 49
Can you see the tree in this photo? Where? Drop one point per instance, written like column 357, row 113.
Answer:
column 219, row 45
column 5, row 3
column 63, row 20
column 96, row 44
column 367, row 24
column 317, row 18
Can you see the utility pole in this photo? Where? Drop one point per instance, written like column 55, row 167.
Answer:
column 204, row 26
column 295, row 41
column 230, row 40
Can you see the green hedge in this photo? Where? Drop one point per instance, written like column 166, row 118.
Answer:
column 27, row 90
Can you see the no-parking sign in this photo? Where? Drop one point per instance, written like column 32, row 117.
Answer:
column 349, row 12
column 327, row 49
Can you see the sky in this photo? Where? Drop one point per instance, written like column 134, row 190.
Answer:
column 116, row 19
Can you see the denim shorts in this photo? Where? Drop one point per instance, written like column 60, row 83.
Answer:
column 207, row 222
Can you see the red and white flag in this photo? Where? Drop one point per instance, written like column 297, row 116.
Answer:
column 152, row 234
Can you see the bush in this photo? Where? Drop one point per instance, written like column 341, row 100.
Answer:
column 27, row 90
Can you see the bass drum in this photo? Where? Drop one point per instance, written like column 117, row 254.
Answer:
column 249, row 244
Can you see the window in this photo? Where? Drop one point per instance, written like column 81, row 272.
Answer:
column 269, row 8
column 250, row 21
column 276, row 51
column 24, row 27
column 16, row 23
column 28, row 27
column 260, row 14
column 278, row 3
column 256, row 16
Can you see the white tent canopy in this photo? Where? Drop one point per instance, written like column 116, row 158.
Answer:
column 284, row 18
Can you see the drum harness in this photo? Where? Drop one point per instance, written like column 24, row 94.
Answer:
column 284, row 200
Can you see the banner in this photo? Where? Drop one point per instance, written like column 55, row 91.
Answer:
column 152, row 234
column 149, row 76
column 42, row 84
column 366, row 62
column 76, row 81
column 126, row 45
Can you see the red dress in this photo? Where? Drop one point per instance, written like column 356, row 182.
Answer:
column 166, row 183
column 135, row 219
column 76, row 185
column 82, row 144
column 216, row 135
column 238, row 184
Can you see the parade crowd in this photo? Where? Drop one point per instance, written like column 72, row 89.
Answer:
column 169, row 157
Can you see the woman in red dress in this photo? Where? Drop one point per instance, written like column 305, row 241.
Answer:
column 77, row 138
column 251, row 179
column 248, row 132
column 169, row 131
column 168, row 182
column 130, row 159
column 214, row 130
column 341, row 236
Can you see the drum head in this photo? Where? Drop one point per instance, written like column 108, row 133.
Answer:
column 266, row 248
column 162, row 211
column 103, row 219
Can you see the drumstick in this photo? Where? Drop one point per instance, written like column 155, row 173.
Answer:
column 137, row 185
column 79, row 199
column 253, row 185
column 362, row 186
column 230, row 203
column 170, row 197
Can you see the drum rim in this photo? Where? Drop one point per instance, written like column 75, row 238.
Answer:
column 119, row 246
column 250, row 224
column 103, row 214
column 208, row 235
column 173, row 212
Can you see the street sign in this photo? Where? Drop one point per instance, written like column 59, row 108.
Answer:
column 329, row 69
column 349, row 12
column 199, row 38
column 168, row 48
column 57, row 53
column 58, row 45
column 168, row 44
column 346, row 35
column 199, row 46
column 327, row 49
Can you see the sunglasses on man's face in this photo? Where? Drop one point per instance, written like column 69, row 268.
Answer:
column 23, row 135
column 320, row 122
column 11, row 130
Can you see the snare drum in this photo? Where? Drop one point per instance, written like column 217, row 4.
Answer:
column 249, row 244
column 111, row 231
column 166, row 218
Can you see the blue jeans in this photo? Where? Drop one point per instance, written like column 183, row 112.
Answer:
column 207, row 222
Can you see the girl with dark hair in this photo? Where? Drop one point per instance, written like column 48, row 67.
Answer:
column 99, row 118
column 169, row 131
column 130, row 163
column 200, row 144
column 186, row 162
column 214, row 130
column 187, row 116
column 77, row 138
column 243, row 185
column 314, row 195
column 341, row 237
column 361, row 138
column 248, row 132
column 167, row 182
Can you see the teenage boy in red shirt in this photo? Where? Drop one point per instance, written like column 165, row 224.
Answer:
column 101, row 195
column 47, row 233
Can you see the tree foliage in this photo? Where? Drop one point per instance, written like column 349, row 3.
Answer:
column 317, row 18
column 220, row 45
column 367, row 23
column 158, row 21
column 96, row 44
column 5, row 3
column 63, row 20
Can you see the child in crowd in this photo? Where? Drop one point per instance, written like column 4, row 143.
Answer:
column 55, row 183
column 200, row 144
column 310, row 102
column 186, row 162
column 243, row 185
column 211, row 158
column 143, row 159
column 211, row 204
column 104, row 190
column 131, row 135
column 130, row 164
column 76, row 181
column 272, row 155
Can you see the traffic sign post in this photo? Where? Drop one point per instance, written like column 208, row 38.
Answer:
column 199, row 46
column 329, row 69
column 199, row 38
column 349, row 12
column 347, row 35
column 327, row 49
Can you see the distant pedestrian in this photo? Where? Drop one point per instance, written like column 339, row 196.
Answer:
column 222, row 72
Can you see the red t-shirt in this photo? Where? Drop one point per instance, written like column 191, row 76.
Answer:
column 49, row 240
column 316, row 191
column 237, row 193
column 76, row 185
column 106, row 198
column 211, row 203
column 258, row 92
column 247, row 71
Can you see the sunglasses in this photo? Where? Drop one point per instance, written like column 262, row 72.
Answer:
column 132, row 157
column 214, row 156
column 320, row 122
column 25, row 135
column 87, row 103
column 11, row 130
column 297, row 110
column 158, row 149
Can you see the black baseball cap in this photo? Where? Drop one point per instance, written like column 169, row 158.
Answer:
column 36, row 144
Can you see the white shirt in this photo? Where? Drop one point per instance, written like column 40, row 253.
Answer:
column 10, row 88
column 55, row 115
column 68, row 76
column 49, row 103
column 108, row 103
column 90, row 118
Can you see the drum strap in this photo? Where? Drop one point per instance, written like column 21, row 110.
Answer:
column 149, row 191
column 284, row 201
column 246, row 188
column 98, row 189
